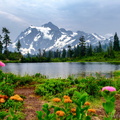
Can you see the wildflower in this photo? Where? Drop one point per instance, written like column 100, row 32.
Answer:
column 73, row 110
column 16, row 97
column 92, row 110
column 2, row 100
column 4, row 96
column 87, row 103
column 60, row 113
column 68, row 101
column 66, row 97
column 2, row 64
column 56, row 99
column 109, row 88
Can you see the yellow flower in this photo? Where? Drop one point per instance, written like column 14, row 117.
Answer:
column 60, row 113
column 66, row 97
column 56, row 99
column 91, row 110
column 68, row 101
column 87, row 103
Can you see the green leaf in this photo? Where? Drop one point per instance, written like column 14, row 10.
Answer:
column 109, row 106
column 88, row 118
column 39, row 115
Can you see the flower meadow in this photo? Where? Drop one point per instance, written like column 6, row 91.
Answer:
column 65, row 99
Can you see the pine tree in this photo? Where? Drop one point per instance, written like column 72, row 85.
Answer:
column 100, row 47
column 6, row 38
column 64, row 53
column 89, row 51
column 110, row 51
column 44, row 53
column 70, row 52
column 82, row 46
column 18, row 45
column 116, row 43
column 1, row 45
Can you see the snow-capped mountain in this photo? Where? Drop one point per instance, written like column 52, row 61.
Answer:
column 50, row 37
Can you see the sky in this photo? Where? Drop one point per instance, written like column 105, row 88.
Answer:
column 91, row 16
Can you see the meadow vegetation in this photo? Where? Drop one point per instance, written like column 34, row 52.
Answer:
column 82, row 89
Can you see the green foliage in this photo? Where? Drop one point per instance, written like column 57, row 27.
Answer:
column 51, row 87
column 14, row 115
column 70, row 91
column 11, row 104
column 109, row 104
column 92, row 85
column 3, row 114
column 6, row 89
column 39, row 75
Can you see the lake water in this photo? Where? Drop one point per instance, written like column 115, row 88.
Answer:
column 61, row 69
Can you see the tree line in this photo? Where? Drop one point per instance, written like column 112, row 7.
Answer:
column 82, row 50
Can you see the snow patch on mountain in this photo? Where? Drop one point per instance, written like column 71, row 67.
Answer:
column 50, row 37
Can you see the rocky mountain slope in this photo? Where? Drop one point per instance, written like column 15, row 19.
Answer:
column 50, row 37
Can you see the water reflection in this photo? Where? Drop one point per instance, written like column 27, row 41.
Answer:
column 63, row 70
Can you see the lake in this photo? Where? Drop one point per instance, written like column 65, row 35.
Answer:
column 61, row 69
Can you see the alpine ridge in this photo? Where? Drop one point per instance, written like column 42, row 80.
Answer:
column 50, row 37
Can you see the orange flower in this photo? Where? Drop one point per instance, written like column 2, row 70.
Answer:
column 60, row 113
column 67, row 101
column 66, row 97
column 2, row 100
column 4, row 96
column 73, row 110
column 92, row 110
column 56, row 99
column 16, row 97
column 87, row 103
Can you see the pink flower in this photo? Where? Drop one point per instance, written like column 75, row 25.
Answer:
column 109, row 88
column 2, row 64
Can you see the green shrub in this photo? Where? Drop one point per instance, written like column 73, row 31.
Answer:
column 6, row 88
column 51, row 87
column 12, row 104
column 70, row 91
column 3, row 114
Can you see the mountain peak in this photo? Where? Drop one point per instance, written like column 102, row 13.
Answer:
column 50, row 25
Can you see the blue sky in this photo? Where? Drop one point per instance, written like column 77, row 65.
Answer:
column 92, row 16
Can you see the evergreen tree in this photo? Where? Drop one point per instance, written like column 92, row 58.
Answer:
column 44, row 53
column 89, row 51
column 39, row 53
column 116, row 43
column 6, row 38
column 57, row 54
column 50, row 54
column 82, row 46
column 100, row 47
column 18, row 45
column 1, row 45
column 64, row 53
column 70, row 52
column 110, row 51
